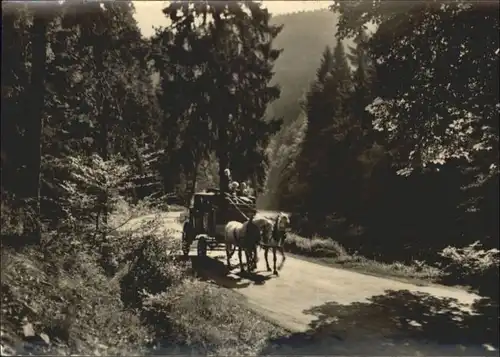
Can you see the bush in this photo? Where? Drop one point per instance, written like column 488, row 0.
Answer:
column 15, row 214
column 68, row 291
column 117, row 296
column 75, row 186
column 203, row 319
column 331, row 252
column 315, row 246
column 478, row 269
column 69, row 300
column 153, row 269
column 474, row 267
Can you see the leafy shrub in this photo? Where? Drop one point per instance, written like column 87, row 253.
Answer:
column 315, row 246
column 69, row 300
column 153, row 269
column 204, row 319
column 472, row 266
column 15, row 214
column 64, row 290
column 330, row 251
column 75, row 187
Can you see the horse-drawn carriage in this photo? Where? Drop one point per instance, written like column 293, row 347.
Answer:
column 209, row 212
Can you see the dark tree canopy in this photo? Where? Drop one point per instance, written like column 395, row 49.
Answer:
column 220, row 79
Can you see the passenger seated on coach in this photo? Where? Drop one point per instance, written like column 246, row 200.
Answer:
column 233, row 188
column 244, row 191
column 228, row 175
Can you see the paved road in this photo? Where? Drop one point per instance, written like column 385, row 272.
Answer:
column 338, row 306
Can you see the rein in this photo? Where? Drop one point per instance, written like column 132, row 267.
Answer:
column 274, row 234
column 238, row 209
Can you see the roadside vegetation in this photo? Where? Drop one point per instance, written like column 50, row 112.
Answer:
column 132, row 296
column 330, row 252
column 469, row 267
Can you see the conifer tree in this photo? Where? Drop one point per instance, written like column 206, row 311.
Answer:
column 318, row 117
column 227, row 64
column 327, row 120
column 362, row 81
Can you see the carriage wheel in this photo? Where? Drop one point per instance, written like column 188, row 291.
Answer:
column 202, row 247
column 205, row 223
column 186, row 238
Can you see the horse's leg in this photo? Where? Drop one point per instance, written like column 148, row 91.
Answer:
column 266, row 250
column 283, row 257
column 275, row 271
column 282, row 251
column 241, row 262
column 248, row 259
column 252, row 265
column 228, row 254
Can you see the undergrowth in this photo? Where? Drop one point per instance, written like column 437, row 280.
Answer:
column 124, row 293
column 329, row 251
column 469, row 266
column 76, row 301
column 200, row 318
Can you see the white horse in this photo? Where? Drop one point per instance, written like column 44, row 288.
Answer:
column 273, row 236
column 244, row 236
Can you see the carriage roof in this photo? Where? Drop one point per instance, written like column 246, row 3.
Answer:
column 212, row 193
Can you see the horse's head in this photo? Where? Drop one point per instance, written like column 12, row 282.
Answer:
column 282, row 222
column 265, row 227
column 280, row 227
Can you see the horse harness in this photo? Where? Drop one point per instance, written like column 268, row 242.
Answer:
column 277, row 235
column 242, row 240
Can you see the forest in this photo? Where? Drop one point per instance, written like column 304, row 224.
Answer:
column 384, row 141
column 400, row 136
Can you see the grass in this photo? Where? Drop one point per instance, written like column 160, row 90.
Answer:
column 330, row 252
column 209, row 320
column 76, row 308
column 82, row 312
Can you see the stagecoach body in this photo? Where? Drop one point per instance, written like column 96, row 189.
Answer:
column 208, row 214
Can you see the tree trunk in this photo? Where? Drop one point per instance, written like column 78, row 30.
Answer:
column 103, row 120
column 193, row 176
column 140, row 167
column 222, row 119
column 223, row 164
column 255, row 186
column 35, row 126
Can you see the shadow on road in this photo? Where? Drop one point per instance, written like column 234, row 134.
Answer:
column 213, row 269
column 396, row 323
